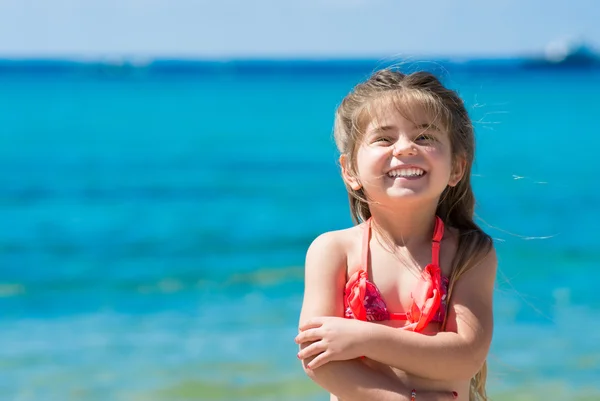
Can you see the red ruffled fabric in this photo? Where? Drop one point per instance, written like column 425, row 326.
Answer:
column 427, row 298
column 354, row 294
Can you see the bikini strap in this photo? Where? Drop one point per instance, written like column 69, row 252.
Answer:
column 438, row 234
column 365, row 245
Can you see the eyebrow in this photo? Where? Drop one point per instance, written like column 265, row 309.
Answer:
column 428, row 126
column 386, row 128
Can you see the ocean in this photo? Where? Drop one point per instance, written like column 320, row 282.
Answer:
column 155, row 220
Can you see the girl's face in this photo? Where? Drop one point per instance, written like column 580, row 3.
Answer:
column 403, row 159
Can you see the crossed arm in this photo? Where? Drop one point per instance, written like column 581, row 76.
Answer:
column 329, row 342
column 350, row 380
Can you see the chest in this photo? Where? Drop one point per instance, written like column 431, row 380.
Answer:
column 396, row 274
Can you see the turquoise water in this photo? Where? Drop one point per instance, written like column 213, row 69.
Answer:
column 154, row 227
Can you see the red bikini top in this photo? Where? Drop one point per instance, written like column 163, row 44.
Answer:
column 363, row 300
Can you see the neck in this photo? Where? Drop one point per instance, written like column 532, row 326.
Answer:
column 407, row 224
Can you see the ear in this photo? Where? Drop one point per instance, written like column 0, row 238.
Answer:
column 458, row 171
column 347, row 175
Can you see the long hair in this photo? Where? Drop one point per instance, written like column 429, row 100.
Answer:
column 418, row 92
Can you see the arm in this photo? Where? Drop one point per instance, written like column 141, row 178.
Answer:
column 325, row 276
column 460, row 351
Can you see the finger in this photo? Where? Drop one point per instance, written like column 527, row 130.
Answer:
column 311, row 324
column 320, row 360
column 308, row 335
column 312, row 350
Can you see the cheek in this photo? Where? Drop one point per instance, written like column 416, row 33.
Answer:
column 370, row 159
column 443, row 163
column 441, row 155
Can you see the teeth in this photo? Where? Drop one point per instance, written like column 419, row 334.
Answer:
column 406, row 172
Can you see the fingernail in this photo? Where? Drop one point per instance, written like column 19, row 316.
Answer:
column 455, row 394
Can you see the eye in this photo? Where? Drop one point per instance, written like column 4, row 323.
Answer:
column 382, row 139
column 425, row 138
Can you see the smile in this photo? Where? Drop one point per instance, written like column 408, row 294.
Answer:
column 406, row 172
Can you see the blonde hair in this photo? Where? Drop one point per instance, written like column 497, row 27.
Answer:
column 420, row 92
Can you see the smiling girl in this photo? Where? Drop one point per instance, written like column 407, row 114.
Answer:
column 399, row 307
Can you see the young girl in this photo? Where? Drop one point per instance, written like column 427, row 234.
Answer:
column 416, row 263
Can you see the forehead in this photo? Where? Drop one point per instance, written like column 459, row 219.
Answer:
column 404, row 111
column 392, row 121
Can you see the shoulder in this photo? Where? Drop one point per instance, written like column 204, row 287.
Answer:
column 473, row 246
column 476, row 259
column 325, row 273
column 479, row 250
column 334, row 247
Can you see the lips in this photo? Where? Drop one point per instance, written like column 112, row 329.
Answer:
column 406, row 172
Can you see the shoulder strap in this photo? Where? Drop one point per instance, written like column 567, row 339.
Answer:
column 438, row 234
column 365, row 245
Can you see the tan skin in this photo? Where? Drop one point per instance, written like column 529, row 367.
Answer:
column 330, row 284
column 435, row 363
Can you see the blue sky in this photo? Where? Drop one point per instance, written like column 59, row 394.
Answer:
column 280, row 28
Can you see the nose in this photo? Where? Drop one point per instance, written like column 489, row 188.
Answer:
column 404, row 147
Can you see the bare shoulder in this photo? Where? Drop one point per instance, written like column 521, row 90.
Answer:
column 482, row 253
column 478, row 262
column 325, row 273
column 333, row 246
column 479, row 252
column 487, row 262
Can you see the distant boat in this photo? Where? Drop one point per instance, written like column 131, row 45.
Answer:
column 566, row 54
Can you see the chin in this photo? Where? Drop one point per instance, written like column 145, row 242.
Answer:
column 404, row 193
column 410, row 195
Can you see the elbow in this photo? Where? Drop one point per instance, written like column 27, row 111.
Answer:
column 323, row 375
column 460, row 369
column 465, row 361
column 467, row 370
column 309, row 372
column 472, row 362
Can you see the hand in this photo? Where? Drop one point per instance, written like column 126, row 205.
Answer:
column 332, row 338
